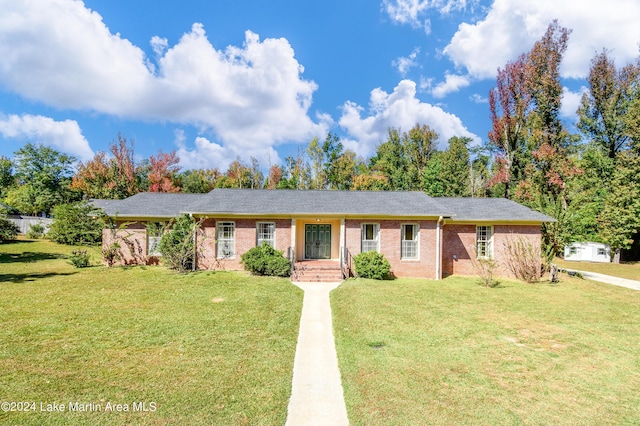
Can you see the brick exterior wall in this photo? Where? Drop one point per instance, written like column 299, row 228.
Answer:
column 245, row 239
column 459, row 242
column 132, row 241
column 390, row 241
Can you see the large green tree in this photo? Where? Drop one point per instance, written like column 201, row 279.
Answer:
column 316, row 156
column 43, row 175
column 403, row 157
column 612, row 96
column 7, row 180
column 620, row 217
column 334, row 171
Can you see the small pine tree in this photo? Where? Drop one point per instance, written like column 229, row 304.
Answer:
column 76, row 224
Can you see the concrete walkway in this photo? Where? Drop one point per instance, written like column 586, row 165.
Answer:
column 608, row 279
column 316, row 396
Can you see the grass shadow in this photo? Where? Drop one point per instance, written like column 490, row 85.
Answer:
column 21, row 278
column 18, row 241
column 28, row 257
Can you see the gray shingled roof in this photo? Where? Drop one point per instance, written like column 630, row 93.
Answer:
column 491, row 209
column 149, row 204
column 256, row 202
column 294, row 202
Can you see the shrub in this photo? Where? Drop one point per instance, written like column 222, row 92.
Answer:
column 177, row 244
column 8, row 230
column 485, row 268
column 265, row 260
column 372, row 264
column 523, row 259
column 79, row 258
column 111, row 254
column 35, row 231
column 76, row 224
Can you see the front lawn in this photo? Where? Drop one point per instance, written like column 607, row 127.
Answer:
column 452, row 352
column 204, row 348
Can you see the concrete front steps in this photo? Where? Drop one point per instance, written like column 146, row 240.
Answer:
column 317, row 271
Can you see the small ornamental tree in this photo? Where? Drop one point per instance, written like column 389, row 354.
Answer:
column 76, row 224
column 265, row 260
column 523, row 259
column 373, row 265
column 177, row 245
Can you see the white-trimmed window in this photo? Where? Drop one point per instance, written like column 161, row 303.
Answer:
column 154, row 235
column 370, row 237
column 409, row 248
column 266, row 233
column 226, row 239
column 484, row 241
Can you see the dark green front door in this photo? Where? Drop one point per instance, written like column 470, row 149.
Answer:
column 317, row 241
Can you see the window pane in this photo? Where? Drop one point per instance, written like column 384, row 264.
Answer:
column 483, row 241
column 266, row 233
column 369, row 237
column 409, row 247
column 368, row 232
column 409, row 250
column 408, row 232
column 226, row 239
column 152, row 246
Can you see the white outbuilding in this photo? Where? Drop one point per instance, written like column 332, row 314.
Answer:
column 589, row 251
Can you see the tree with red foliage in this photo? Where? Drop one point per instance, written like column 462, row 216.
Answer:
column 109, row 178
column 162, row 172
column 274, row 177
column 509, row 103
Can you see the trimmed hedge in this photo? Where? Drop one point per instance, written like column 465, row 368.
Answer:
column 265, row 260
column 373, row 265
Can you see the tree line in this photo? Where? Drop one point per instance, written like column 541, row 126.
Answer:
column 588, row 181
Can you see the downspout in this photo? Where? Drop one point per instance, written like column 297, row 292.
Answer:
column 195, row 248
column 438, row 248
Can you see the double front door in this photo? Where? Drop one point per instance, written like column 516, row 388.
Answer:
column 317, row 241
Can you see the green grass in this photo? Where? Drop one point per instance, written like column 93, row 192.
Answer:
column 629, row 270
column 205, row 348
column 452, row 352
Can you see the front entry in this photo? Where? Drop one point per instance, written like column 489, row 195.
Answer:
column 317, row 241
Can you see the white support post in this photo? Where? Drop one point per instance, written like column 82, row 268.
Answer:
column 293, row 238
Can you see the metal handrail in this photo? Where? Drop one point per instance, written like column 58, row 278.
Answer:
column 345, row 262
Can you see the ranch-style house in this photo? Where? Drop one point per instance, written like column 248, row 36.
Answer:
column 321, row 231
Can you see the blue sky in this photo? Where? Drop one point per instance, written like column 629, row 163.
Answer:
column 215, row 80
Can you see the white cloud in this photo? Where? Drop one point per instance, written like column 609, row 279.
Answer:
column 571, row 102
column 400, row 109
column 413, row 12
column 60, row 53
column 478, row 99
column 65, row 136
column 205, row 154
column 511, row 27
column 452, row 83
column 159, row 45
column 404, row 64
